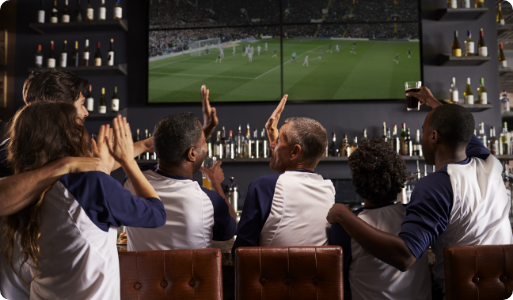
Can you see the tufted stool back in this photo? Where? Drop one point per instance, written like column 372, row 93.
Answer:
column 172, row 274
column 478, row 272
column 289, row 273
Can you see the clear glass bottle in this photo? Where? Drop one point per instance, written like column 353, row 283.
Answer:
column 504, row 140
column 482, row 136
column 469, row 96
column 455, row 97
column 494, row 143
column 230, row 145
column 417, row 146
column 504, row 101
column 240, row 144
column 469, row 45
column 263, row 146
column 218, row 146
column 482, row 95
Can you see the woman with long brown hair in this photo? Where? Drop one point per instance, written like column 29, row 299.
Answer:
column 68, row 237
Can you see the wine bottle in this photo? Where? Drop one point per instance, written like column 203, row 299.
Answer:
column 102, row 109
column 41, row 13
column 469, row 97
column 39, row 57
column 364, row 137
column 483, row 50
column 51, row 57
column 504, row 101
column 494, row 143
column 55, row 13
column 86, row 54
column 502, row 58
column 403, row 150
column 75, row 56
column 482, row 135
column 480, row 3
column 89, row 12
column 264, row 145
column 102, row 12
column 115, row 100
column 500, row 16
column 466, row 4
column 98, row 56
column 146, row 155
column 504, row 140
column 454, row 91
column 333, row 148
column 64, row 55
column 384, row 137
column 90, row 100
column 452, row 3
column 65, row 13
column 111, row 53
column 118, row 11
column 481, row 93
column 469, row 45
column 456, row 49
column 408, row 144
column 417, row 146
column 78, row 12
column 395, row 141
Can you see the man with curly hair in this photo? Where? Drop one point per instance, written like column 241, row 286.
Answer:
column 379, row 174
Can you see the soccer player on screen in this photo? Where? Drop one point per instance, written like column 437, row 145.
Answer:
column 250, row 55
column 221, row 51
column 320, row 55
column 259, row 48
column 329, row 50
column 397, row 59
column 306, row 61
column 265, row 46
column 207, row 51
column 354, row 49
column 409, row 53
column 218, row 57
column 233, row 49
column 294, row 57
column 243, row 51
column 274, row 55
column 337, row 49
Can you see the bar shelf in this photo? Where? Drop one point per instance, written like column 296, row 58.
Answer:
column 507, row 115
column 471, row 107
column 503, row 28
column 73, row 27
column 504, row 71
column 109, row 115
column 463, row 61
column 461, row 14
column 120, row 69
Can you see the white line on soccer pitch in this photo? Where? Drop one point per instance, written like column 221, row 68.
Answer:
column 285, row 63
column 171, row 63
column 180, row 74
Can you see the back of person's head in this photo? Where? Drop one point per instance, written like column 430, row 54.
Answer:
column 454, row 123
column 53, row 85
column 378, row 172
column 174, row 135
column 310, row 135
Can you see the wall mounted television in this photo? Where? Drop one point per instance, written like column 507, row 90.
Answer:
column 258, row 50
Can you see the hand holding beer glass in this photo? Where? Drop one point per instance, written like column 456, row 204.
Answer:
column 208, row 163
column 412, row 103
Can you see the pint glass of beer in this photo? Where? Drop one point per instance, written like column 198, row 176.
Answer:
column 412, row 103
column 208, row 163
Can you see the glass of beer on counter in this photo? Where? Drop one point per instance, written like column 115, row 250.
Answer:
column 208, row 163
column 412, row 103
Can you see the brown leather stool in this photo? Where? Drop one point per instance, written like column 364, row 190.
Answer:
column 172, row 274
column 293, row 273
column 478, row 272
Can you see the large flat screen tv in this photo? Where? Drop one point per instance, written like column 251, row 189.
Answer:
column 258, row 50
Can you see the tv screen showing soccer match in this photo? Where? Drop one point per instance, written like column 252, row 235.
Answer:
column 257, row 50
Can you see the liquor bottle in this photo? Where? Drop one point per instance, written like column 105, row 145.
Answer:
column 354, row 146
column 51, row 57
column 240, row 144
column 78, row 12
column 469, row 45
column 455, row 97
column 137, row 139
column 395, row 142
column 102, row 12
column 90, row 100
column 250, row 144
column 384, row 137
column 500, row 16
column 55, row 13
column 403, row 148
column 64, row 55
column 118, row 11
column 482, row 94
column 102, row 109
column 343, row 149
column 417, row 146
column 115, row 100
column 65, row 13
column 39, row 57
column 111, row 53
column 452, row 3
column 146, row 136
column 389, row 136
column 89, row 12
column 408, row 144
column 334, row 151
column 494, row 143
column 504, row 140
column 456, row 49
column 229, row 146
column 425, row 171
column 479, row 3
column 86, row 54
column 502, row 58
column 263, row 149
column 217, row 146
column 469, row 97
column 482, row 135
column 223, row 143
column 482, row 49
column 75, row 56
column 465, row 4
column 209, row 147
column 98, row 56
column 504, row 101
column 364, row 135
column 41, row 13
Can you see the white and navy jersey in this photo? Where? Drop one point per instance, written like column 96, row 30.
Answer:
column 287, row 209
column 78, row 257
column 195, row 215
column 368, row 277
column 462, row 204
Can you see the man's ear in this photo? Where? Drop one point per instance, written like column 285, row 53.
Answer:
column 435, row 137
column 192, row 154
column 296, row 152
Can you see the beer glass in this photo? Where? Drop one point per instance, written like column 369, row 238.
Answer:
column 208, row 163
column 412, row 103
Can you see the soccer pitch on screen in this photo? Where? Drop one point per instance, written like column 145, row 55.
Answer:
column 370, row 73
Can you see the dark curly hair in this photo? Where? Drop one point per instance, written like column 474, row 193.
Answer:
column 379, row 173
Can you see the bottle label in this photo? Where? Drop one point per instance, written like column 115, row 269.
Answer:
column 453, row 4
column 111, row 58
column 102, row 109
column 483, row 51
column 484, row 98
column 54, row 20
column 118, row 12
column 41, row 16
column 39, row 60
column 90, row 14
column 102, row 13
column 456, row 52
column 469, row 48
column 466, row 3
column 455, row 96
column 493, row 147
column 115, row 104
column 469, row 99
column 98, row 62
column 86, row 55
column 504, row 64
column 51, row 63
column 90, row 104
column 64, row 60
column 65, row 18
column 502, row 22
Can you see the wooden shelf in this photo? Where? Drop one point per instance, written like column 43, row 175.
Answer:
column 471, row 107
column 507, row 115
column 503, row 28
column 109, row 115
column 449, row 60
column 503, row 71
column 461, row 14
column 92, row 70
column 103, row 26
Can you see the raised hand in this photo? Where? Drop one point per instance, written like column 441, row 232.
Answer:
column 425, row 96
column 210, row 119
column 272, row 124
column 122, row 147
column 101, row 149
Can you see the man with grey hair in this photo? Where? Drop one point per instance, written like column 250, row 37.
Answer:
column 287, row 209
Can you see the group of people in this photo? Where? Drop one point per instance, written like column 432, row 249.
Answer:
column 60, row 208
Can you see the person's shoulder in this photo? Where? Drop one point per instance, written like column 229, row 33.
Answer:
column 92, row 178
column 266, row 180
column 438, row 178
column 213, row 195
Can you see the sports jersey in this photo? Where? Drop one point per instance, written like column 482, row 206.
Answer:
column 368, row 277
column 287, row 209
column 195, row 215
column 462, row 204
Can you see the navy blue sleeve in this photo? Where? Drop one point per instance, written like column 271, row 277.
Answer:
column 257, row 208
column 428, row 212
column 144, row 167
column 339, row 237
column 108, row 204
column 476, row 149
column 224, row 224
column 5, row 170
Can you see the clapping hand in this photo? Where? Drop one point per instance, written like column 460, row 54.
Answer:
column 101, row 149
column 121, row 147
column 210, row 119
column 272, row 124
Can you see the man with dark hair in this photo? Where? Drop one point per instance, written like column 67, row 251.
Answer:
column 378, row 181
column 287, row 209
column 195, row 215
column 463, row 203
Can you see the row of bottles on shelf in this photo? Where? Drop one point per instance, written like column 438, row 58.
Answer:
column 470, row 49
column 412, row 180
column 464, row 3
column 497, row 146
column 239, row 146
column 102, row 105
column 145, row 155
column 74, row 61
column 468, row 96
column 65, row 13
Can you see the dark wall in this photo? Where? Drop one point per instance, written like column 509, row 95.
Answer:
column 340, row 117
